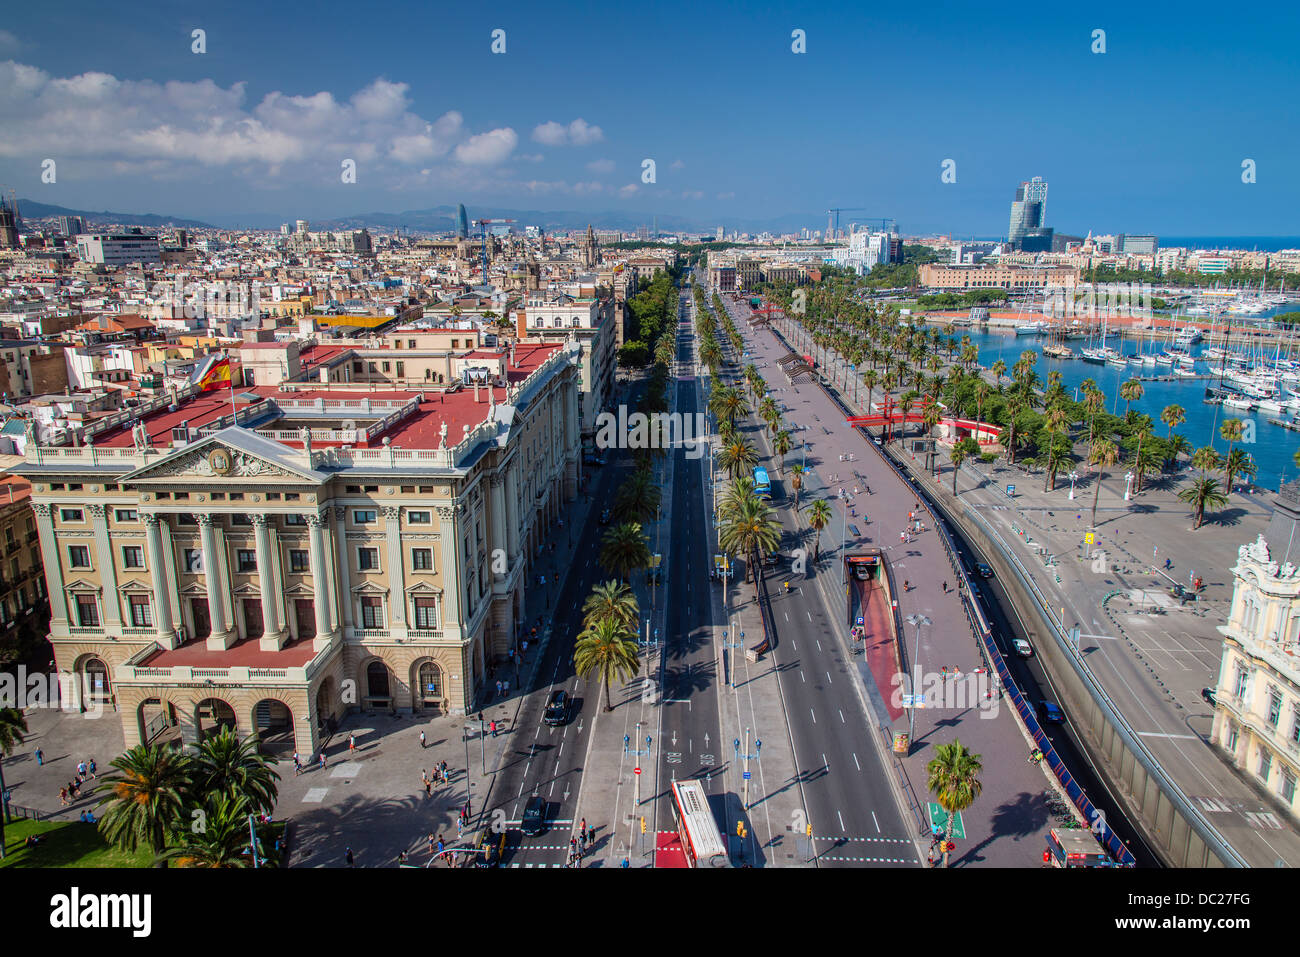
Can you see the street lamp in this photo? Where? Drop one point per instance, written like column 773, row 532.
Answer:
column 758, row 747
column 628, row 749
column 1128, row 486
column 917, row 621
column 1074, row 477
column 731, row 676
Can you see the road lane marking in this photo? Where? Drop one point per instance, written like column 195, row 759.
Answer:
column 1161, row 734
column 875, row 822
column 814, row 715
column 841, row 817
column 801, row 677
column 819, row 645
column 842, row 721
column 855, row 761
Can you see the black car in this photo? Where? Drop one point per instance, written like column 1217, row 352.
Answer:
column 534, row 820
column 605, row 516
column 983, row 570
column 557, row 709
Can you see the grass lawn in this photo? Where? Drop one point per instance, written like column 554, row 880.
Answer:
column 65, row 844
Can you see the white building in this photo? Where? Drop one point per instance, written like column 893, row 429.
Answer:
column 121, row 250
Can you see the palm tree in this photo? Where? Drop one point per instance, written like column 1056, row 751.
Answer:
column 624, row 549
column 638, row 498
column 1206, row 459
column 781, row 445
column 1144, row 431
column 998, row 368
column 226, row 765
column 1173, row 416
column 1103, row 454
column 797, row 473
column 960, row 452
column 1056, row 428
column 981, row 395
column 1130, row 392
column 221, row 842
column 752, row 531
column 611, row 599
column 13, row 731
column 144, row 799
column 1238, row 462
column 954, row 782
column 869, row 379
column 819, row 516
column 738, row 457
column 1094, row 402
column 606, row 648
column 728, row 404
column 1230, row 430
column 1201, row 494
column 930, row 416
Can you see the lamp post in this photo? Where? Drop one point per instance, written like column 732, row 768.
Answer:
column 1128, row 486
column 628, row 749
column 731, row 677
column 917, row 621
column 758, row 747
column 1073, row 476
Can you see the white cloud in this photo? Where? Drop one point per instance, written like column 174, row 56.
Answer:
column 601, row 166
column 577, row 133
column 677, row 164
column 628, row 190
column 530, row 157
column 487, row 149
column 8, row 43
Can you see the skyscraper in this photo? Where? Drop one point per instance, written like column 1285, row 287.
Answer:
column 1029, row 210
column 462, row 222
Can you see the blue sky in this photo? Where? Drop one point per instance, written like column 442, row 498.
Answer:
column 1149, row 136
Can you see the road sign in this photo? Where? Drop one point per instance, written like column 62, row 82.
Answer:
column 939, row 820
column 1089, row 538
column 860, row 620
column 1011, row 490
column 913, row 701
column 746, row 775
column 636, row 771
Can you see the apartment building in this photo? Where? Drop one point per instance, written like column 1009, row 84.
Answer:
column 22, row 586
column 271, row 560
column 1012, row 278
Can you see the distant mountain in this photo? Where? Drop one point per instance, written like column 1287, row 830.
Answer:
column 443, row 219
column 31, row 209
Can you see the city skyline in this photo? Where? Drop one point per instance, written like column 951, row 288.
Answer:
column 240, row 134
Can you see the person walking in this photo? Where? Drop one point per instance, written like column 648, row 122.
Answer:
column 351, row 862
column 431, row 843
column 297, row 764
column 494, row 729
column 582, row 831
column 40, row 757
column 422, row 744
column 352, row 744
column 92, row 769
column 63, row 796
column 322, row 759
column 498, row 688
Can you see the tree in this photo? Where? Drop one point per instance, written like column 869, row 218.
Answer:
column 638, row 498
column 954, row 782
column 1173, row 416
column 1203, row 493
column 613, row 600
column 144, row 799
column 1142, row 463
column 960, row 452
column 226, row 765
column 624, row 549
column 1230, row 430
column 1238, row 462
column 750, row 530
column 1130, row 392
column 1206, row 459
column 1056, row 429
column 999, row 368
column 819, row 516
column 607, row 649
column 1103, row 454
column 737, row 457
column 728, row 404
column 221, row 842
column 13, row 731
column 797, row 473
column 781, row 445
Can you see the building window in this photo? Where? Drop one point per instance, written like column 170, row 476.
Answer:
column 401, row 368
column 294, row 518
column 364, row 516
column 186, row 518
column 78, row 556
column 126, row 515
column 1295, row 725
column 422, row 559
column 246, row 558
column 132, row 556
column 1287, row 789
column 297, row 560
column 1265, row 764
column 71, row 515
column 141, row 613
column 368, row 559
column 1274, row 706
column 87, row 611
column 372, row 612
column 426, row 614
column 239, row 518
column 418, row 518
column 1239, row 689
column 193, row 560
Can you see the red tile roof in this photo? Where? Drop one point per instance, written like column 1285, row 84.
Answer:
column 242, row 654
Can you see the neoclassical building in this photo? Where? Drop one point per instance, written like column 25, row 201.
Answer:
column 1257, row 700
column 271, row 559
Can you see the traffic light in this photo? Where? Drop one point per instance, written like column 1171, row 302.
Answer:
column 643, row 824
column 809, row 832
column 740, row 829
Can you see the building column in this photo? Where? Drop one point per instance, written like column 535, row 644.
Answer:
column 512, row 513
column 273, row 632
column 320, row 580
column 498, row 505
column 396, row 571
column 222, row 635
column 52, row 563
column 449, row 553
column 108, row 570
column 162, row 602
column 341, row 554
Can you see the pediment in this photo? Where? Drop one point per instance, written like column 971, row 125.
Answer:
column 81, row 584
column 233, row 454
column 423, row 588
column 246, row 588
column 300, row 589
column 369, row 588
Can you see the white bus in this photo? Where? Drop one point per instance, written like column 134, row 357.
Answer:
column 701, row 840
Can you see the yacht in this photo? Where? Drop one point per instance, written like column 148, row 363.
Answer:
column 1238, row 402
column 1188, row 337
column 1270, row 405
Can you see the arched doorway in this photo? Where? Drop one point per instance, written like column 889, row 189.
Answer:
column 327, row 705
column 96, row 688
column 157, row 722
column 212, row 715
column 273, row 724
column 430, row 691
column 379, row 692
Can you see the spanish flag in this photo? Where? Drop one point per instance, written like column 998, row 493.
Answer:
column 214, row 374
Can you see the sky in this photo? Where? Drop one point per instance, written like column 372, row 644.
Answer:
column 1148, row 136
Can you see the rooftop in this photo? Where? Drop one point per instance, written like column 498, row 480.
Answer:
column 242, row 654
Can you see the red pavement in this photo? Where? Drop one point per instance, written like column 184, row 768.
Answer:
column 882, row 653
column 668, row 850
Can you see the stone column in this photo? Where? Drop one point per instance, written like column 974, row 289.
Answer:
column 498, row 506
column 396, row 571
column 221, row 636
column 52, row 563
column 273, row 632
column 321, row 597
column 162, row 602
column 512, row 512
column 341, row 554
column 108, row 570
column 449, row 553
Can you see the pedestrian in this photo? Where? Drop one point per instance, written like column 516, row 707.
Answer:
column 907, row 585
column 431, row 843
column 422, row 745
column 499, row 683
column 352, row 744
column 506, row 686
column 460, row 829
column 351, row 863
column 525, row 646
column 445, row 776
column 322, row 759
column 626, row 863
column 92, row 769
column 63, row 796
column 297, row 764
column 440, row 844
column 401, row 858
column 573, row 848
column 494, row 729
column 40, row 757
column 945, row 587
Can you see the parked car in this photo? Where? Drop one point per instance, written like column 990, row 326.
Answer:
column 1050, row 713
column 1022, row 647
column 534, row 820
column 557, row 709
column 983, row 570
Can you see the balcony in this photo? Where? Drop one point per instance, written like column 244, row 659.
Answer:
column 86, row 631
column 424, row 635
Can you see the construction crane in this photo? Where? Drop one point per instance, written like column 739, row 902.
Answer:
column 884, row 221
column 483, row 224
column 835, row 211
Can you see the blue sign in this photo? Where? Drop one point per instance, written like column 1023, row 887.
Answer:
column 1011, row 490
column 859, row 619
column 746, row 775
